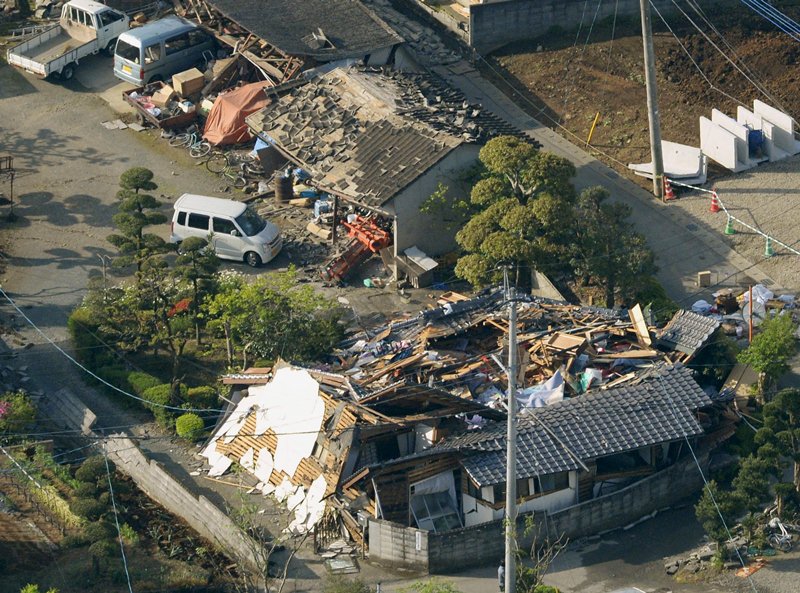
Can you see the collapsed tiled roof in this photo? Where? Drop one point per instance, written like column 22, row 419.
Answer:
column 553, row 438
column 687, row 331
column 366, row 133
column 323, row 29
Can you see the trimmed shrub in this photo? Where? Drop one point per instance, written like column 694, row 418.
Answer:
column 115, row 374
column 74, row 540
column 160, row 396
column 140, row 382
column 86, row 490
column 94, row 468
column 98, row 530
column 202, row 397
column 83, row 330
column 88, row 508
column 189, row 426
column 103, row 549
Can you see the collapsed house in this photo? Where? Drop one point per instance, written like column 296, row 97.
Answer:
column 381, row 140
column 406, row 422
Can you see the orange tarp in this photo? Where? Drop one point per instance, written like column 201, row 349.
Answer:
column 225, row 122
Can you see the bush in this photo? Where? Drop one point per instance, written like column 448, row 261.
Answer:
column 83, row 330
column 140, row 382
column 129, row 534
column 341, row 584
column 98, row 530
column 16, row 412
column 189, row 426
column 88, row 508
column 158, row 397
column 202, row 397
column 86, row 490
column 74, row 540
column 93, row 469
column 103, row 549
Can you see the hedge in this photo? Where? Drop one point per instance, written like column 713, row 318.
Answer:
column 189, row 426
column 139, row 382
column 202, row 397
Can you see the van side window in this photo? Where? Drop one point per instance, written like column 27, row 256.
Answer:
column 152, row 53
column 198, row 221
column 197, row 37
column 182, row 218
column 223, row 227
column 177, row 43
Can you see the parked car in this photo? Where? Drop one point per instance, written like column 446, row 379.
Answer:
column 160, row 49
column 234, row 230
column 84, row 29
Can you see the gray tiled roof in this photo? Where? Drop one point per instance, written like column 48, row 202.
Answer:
column 687, row 331
column 591, row 426
column 366, row 133
column 290, row 25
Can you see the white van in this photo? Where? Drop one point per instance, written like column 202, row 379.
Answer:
column 233, row 229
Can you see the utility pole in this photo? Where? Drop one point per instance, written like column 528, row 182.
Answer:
column 511, row 446
column 653, row 117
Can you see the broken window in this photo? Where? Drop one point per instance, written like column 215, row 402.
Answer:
column 435, row 512
column 152, row 53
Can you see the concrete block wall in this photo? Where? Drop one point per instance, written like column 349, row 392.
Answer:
column 455, row 550
column 396, row 546
column 199, row 513
column 495, row 24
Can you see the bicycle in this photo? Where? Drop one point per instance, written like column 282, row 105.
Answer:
column 779, row 538
column 238, row 168
column 198, row 147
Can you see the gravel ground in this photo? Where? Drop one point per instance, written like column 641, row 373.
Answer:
column 765, row 198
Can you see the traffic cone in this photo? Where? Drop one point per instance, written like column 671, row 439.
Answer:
column 714, row 201
column 729, row 230
column 668, row 193
column 768, row 251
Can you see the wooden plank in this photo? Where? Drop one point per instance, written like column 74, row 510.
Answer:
column 640, row 325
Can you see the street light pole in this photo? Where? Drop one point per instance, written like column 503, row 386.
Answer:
column 511, row 448
column 653, row 117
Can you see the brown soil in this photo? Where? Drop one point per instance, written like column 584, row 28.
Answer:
column 569, row 83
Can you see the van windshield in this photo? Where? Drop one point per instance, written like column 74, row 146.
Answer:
column 250, row 222
column 126, row 51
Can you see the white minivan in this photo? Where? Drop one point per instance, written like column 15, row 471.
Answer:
column 233, row 229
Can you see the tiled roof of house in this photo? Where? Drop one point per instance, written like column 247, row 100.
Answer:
column 551, row 439
column 366, row 133
column 687, row 331
column 323, row 29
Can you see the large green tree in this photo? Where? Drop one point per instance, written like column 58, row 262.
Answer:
column 779, row 438
column 197, row 264
column 523, row 211
column 272, row 316
column 607, row 249
column 137, row 211
column 712, row 504
column 771, row 349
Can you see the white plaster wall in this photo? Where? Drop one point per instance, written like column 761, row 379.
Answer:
column 424, row 230
column 477, row 512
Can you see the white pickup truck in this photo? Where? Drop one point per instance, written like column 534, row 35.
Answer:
column 85, row 28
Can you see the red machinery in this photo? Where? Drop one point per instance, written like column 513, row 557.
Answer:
column 366, row 238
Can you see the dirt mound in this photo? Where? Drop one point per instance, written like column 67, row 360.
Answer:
column 570, row 83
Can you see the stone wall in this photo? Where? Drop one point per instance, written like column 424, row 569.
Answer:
column 455, row 550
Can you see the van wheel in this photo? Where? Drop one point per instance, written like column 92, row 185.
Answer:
column 67, row 72
column 252, row 259
column 109, row 50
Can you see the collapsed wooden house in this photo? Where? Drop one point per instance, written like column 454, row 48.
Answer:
column 406, row 421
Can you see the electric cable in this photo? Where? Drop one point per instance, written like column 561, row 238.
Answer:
column 116, row 520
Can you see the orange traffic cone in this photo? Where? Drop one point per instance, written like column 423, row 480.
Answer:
column 714, row 201
column 668, row 193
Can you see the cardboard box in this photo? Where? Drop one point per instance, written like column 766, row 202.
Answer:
column 189, row 82
column 163, row 96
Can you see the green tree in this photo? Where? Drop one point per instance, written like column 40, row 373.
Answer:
column 273, row 316
column 450, row 210
column 771, row 349
column 714, row 360
column 751, row 484
column 137, row 211
column 779, row 438
column 197, row 264
column 608, row 250
column 708, row 516
column 16, row 412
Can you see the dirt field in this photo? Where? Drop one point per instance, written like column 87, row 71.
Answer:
column 574, row 81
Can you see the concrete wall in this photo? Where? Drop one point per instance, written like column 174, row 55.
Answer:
column 495, row 24
column 397, row 546
column 424, row 230
column 461, row 548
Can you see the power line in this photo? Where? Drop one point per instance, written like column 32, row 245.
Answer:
column 116, row 520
